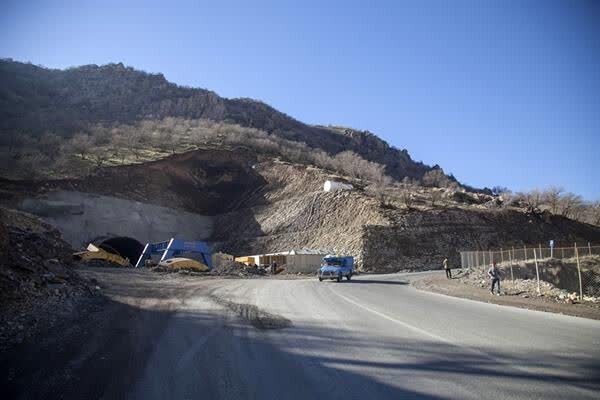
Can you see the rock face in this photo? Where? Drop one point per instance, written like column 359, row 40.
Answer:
column 421, row 240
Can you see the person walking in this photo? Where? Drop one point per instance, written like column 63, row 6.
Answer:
column 447, row 268
column 494, row 274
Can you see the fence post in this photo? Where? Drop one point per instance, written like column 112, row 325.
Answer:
column 579, row 273
column 589, row 248
column 512, row 278
column 491, row 256
column 541, row 254
column 562, row 253
column 502, row 256
column 524, row 253
column 537, row 272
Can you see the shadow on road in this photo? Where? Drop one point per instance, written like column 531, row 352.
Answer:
column 122, row 351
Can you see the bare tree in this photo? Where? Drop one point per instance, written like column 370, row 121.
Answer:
column 595, row 213
column 570, row 204
column 499, row 190
column 533, row 198
column 436, row 196
column 99, row 156
column 167, row 139
column 119, row 144
column 49, row 145
column 81, row 144
column 133, row 141
column 551, row 196
column 407, row 198
column 578, row 211
column 436, row 178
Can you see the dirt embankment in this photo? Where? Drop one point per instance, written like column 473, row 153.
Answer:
column 38, row 282
column 205, row 182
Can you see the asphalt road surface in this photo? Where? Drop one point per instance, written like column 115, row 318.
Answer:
column 374, row 337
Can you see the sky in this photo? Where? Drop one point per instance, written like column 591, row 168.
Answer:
column 499, row 93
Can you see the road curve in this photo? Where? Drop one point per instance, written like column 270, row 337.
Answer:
column 372, row 337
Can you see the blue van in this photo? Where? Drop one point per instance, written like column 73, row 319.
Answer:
column 336, row 267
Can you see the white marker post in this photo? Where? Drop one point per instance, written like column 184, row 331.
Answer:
column 537, row 272
column 579, row 273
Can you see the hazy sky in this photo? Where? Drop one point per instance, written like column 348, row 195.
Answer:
column 498, row 93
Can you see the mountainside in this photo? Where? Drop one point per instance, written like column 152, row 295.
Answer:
column 34, row 100
column 111, row 152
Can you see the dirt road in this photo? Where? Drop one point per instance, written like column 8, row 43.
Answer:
column 157, row 337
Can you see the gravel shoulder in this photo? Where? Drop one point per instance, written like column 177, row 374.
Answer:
column 456, row 287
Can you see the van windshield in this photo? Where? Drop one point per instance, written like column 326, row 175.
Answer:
column 333, row 262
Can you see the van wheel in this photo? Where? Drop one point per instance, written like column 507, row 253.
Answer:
column 339, row 278
column 320, row 278
column 349, row 276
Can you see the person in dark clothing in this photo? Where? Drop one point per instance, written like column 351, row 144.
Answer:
column 274, row 268
column 447, row 269
column 494, row 274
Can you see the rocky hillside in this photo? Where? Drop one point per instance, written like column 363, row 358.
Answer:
column 252, row 204
column 34, row 100
column 236, row 173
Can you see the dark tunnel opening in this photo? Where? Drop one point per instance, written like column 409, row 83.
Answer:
column 123, row 246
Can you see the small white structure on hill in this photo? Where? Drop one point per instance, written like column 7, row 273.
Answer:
column 332, row 186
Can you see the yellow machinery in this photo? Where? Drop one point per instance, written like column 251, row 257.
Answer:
column 178, row 263
column 95, row 253
column 248, row 260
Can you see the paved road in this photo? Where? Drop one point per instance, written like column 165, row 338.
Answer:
column 372, row 337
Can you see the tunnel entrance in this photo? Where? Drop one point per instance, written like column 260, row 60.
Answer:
column 123, row 246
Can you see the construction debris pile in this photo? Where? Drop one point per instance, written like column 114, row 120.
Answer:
column 229, row 268
column 36, row 275
column 234, row 268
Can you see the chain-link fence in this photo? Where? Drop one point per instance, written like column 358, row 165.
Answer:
column 573, row 268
